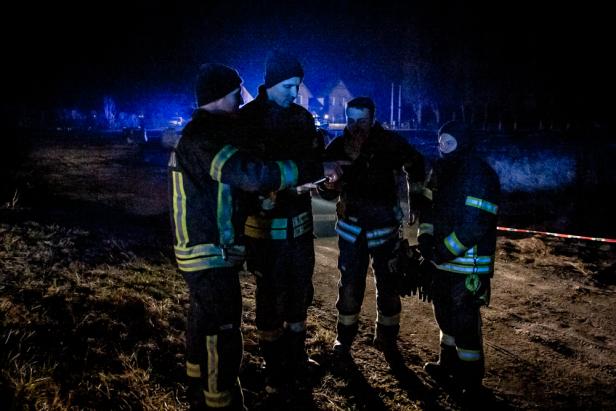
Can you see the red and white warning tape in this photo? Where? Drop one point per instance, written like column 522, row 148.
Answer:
column 519, row 230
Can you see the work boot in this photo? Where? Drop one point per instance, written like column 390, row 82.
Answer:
column 470, row 376
column 194, row 394
column 386, row 340
column 273, row 352
column 445, row 367
column 344, row 340
column 301, row 368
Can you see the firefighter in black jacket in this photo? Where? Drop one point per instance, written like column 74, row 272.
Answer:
column 457, row 238
column 279, row 233
column 369, row 219
column 209, row 175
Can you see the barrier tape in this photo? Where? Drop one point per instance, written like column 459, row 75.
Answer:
column 519, row 230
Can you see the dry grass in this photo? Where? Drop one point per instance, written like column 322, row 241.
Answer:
column 87, row 324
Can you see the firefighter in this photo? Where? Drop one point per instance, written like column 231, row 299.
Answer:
column 279, row 233
column 369, row 221
column 457, row 239
column 209, row 173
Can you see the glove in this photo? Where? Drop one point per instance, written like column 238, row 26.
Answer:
column 426, row 281
column 403, row 264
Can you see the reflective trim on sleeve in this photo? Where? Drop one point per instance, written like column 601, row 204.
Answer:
column 219, row 161
column 288, row 173
column 224, row 212
column 481, row 204
column 179, row 209
column 453, row 244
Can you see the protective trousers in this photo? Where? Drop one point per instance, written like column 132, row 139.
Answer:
column 353, row 265
column 214, row 344
column 283, row 270
column 457, row 313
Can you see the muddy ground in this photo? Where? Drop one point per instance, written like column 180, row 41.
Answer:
column 92, row 310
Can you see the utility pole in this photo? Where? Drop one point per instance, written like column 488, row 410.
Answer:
column 399, row 104
column 391, row 107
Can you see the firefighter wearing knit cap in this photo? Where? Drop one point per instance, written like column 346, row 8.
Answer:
column 210, row 172
column 457, row 239
column 279, row 236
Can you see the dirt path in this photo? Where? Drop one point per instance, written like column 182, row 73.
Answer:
column 550, row 331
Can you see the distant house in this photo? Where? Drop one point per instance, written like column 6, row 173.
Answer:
column 303, row 96
column 246, row 95
column 337, row 99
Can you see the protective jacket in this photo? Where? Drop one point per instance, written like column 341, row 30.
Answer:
column 369, row 219
column 281, row 133
column 209, row 175
column 369, row 190
column 461, row 222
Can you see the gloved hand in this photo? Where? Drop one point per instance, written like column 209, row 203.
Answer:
column 426, row 281
column 403, row 264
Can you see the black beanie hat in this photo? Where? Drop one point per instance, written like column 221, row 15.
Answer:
column 215, row 81
column 280, row 66
column 461, row 132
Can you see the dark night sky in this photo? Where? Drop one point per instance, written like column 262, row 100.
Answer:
column 73, row 55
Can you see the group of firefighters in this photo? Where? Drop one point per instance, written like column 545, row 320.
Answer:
column 240, row 186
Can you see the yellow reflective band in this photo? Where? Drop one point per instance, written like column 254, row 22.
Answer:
column 387, row 319
column 219, row 161
column 217, row 399
column 484, row 205
column 211, row 344
column 193, row 370
column 179, row 209
column 348, row 319
column 466, row 269
column 276, row 228
column 198, row 264
column 224, row 210
column 266, row 223
column 453, row 244
column 479, row 260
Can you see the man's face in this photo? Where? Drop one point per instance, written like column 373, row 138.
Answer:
column 232, row 101
column 284, row 92
column 446, row 144
column 359, row 121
